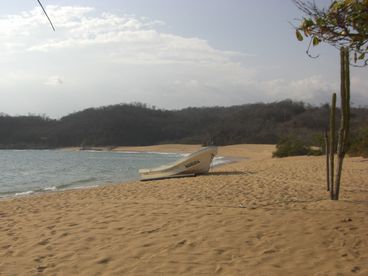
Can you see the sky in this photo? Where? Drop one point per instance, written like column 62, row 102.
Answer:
column 170, row 54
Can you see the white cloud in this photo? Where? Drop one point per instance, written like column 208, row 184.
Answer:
column 126, row 38
column 108, row 58
column 54, row 81
column 313, row 89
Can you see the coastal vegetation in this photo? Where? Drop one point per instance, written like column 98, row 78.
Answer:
column 292, row 146
column 138, row 124
column 344, row 25
column 359, row 143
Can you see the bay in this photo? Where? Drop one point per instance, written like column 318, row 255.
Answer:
column 28, row 171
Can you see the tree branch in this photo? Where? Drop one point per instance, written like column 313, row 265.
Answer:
column 52, row 26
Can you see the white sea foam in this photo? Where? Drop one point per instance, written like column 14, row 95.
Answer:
column 168, row 153
column 129, row 152
column 150, row 152
column 53, row 188
column 80, row 187
column 24, row 193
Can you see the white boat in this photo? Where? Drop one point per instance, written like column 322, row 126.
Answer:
column 196, row 163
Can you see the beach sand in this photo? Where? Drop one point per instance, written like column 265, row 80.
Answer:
column 259, row 216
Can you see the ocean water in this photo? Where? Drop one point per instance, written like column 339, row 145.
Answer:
column 25, row 172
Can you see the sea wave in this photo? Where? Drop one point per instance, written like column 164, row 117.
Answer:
column 53, row 188
column 80, row 187
column 129, row 152
column 24, row 193
column 75, row 183
column 168, row 153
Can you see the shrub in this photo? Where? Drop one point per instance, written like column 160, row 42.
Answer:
column 292, row 146
column 359, row 143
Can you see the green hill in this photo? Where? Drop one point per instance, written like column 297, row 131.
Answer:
column 137, row 124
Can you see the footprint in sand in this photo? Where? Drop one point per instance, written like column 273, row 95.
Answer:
column 104, row 260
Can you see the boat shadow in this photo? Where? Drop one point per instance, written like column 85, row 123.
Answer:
column 229, row 173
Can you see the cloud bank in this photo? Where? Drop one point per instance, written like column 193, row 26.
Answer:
column 96, row 58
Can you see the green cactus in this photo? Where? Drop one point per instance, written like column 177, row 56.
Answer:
column 332, row 143
column 345, row 117
column 327, row 152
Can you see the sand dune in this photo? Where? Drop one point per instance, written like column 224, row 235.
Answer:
column 259, row 216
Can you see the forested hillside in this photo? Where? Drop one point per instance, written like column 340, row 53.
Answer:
column 137, row 124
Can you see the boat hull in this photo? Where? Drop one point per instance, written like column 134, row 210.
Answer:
column 194, row 164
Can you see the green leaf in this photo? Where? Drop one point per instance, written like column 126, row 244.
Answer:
column 299, row 35
column 308, row 22
column 320, row 21
column 333, row 6
column 362, row 56
column 315, row 41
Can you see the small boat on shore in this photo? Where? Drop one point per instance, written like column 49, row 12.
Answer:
column 196, row 163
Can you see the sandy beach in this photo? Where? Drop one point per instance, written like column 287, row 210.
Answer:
column 258, row 216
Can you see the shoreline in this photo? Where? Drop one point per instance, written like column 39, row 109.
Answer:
column 262, row 216
column 161, row 149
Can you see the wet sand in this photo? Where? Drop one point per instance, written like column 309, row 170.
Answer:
column 259, row 216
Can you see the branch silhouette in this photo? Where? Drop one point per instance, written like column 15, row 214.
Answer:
column 52, row 26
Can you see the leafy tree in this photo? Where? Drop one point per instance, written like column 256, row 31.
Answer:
column 343, row 24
